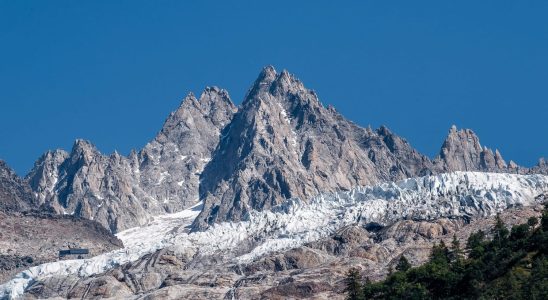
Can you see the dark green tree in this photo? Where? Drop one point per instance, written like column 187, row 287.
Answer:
column 353, row 285
column 512, row 265
column 403, row 264
column 500, row 233
column 456, row 252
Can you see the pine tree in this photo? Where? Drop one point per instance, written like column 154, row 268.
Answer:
column 500, row 233
column 403, row 264
column 456, row 251
column 353, row 285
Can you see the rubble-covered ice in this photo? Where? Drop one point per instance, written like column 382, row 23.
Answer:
column 297, row 222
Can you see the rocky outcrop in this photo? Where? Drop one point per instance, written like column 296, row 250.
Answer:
column 171, row 164
column 462, row 151
column 93, row 186
column 15, row 193
column 29, row 238
column 540, row 168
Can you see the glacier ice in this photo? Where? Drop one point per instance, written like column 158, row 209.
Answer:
column 296, row 222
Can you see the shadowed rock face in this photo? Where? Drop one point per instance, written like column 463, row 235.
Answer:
column 15, row 193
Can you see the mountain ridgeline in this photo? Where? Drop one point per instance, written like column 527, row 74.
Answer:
column 281, row 143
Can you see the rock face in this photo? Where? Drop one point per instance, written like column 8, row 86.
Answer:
column 122, row 192
column 425, row 206
column 171, row 164
column 283, row 143
column 90, row 185
column 15, row 193
column 462, row 151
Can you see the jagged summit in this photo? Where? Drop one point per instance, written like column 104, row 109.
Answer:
column 462, row 151
column 281, row 143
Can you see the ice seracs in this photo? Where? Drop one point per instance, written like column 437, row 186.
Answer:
column 296, row 222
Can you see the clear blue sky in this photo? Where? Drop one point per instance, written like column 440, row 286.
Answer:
column 112, row 71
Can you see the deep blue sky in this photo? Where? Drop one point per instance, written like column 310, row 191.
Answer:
column 111, row 71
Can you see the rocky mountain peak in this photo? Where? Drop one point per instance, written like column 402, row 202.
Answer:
column 462, row 151
column 283, row 143
column 214, row 107
column 83, row 152
column 267, row 75
column 283, row 88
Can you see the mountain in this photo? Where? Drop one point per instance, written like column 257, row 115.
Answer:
column 276, row 197
column 462, row 151
column 281, row 143
column 122, row 192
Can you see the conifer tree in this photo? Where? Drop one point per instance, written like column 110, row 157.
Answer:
column 403, row 264
column 353, row 285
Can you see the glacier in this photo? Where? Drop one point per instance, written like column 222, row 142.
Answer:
column 296, row 222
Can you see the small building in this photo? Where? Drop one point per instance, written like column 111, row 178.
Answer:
column 81, row 253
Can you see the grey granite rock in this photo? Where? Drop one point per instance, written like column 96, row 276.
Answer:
column 283, row 143
column 15, row 193
column 462, row 151
column 122, row 192
column 315, row 270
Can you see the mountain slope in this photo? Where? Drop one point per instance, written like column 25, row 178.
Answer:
column 235, row 249
column 283, row 143
column 122, row 192
column 29, row 237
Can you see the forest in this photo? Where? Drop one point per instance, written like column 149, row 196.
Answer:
column 510, row 264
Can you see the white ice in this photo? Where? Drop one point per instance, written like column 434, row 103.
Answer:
column 296, row 222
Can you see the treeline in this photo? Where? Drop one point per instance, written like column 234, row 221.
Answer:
column 512, row 265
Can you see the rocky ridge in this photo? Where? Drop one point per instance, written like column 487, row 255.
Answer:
column 122, row 192
column 282, row 143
